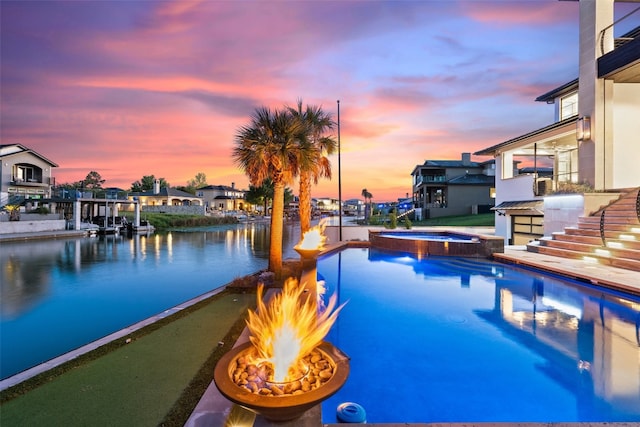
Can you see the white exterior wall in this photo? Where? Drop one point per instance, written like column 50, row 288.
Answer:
column 594, row 93
column 626, row 136
column 562, row 211
column 517, row 188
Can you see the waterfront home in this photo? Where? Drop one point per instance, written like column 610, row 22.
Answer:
column 591, row 145
column 453, row 187
column 24, row 175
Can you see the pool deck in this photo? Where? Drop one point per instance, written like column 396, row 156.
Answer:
column 213, row 406
column 596, row 274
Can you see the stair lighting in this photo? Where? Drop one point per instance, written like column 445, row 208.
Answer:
column 635, row 229
column 590, row 259
column 602, row 252
column 627, row 237
column 615, row 245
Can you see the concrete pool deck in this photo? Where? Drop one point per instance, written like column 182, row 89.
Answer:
column 213, row 408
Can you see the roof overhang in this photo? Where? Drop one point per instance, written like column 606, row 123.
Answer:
column 532, row 207
column 559, row 136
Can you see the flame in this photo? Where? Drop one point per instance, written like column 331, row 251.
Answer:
column 288, row 328
column 314, row 238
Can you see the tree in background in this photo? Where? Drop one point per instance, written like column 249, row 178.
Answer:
column 367, row 205
column 199, row 181
column 146, row 184
column 314, row 149
column 261, row 195
column 268, row 149
column 93, row 181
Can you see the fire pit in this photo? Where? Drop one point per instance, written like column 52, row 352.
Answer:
column 286, row 368
column 286, row 406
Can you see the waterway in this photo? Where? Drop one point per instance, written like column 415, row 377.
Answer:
column 57, row 295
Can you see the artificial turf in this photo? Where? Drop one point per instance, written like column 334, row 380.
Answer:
column 155, row 379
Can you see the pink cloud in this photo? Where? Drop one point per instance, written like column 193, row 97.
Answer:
column 517, row 13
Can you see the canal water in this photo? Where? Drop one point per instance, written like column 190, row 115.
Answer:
column 59, row 294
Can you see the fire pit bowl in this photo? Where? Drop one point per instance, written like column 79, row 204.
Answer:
column 307, row 253
column 280, row 408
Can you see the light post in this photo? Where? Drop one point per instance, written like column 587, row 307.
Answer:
column 339, row 180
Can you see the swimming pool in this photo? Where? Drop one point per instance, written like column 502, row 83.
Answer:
column 440, row 243
column 447, row 339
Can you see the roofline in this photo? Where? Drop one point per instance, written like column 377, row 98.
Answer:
column 492, row 150
column 561, row 90
column 29, row 150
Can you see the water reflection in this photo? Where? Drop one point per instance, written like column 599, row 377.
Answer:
column 519, row 345
column 83, row 289
column 584, row 336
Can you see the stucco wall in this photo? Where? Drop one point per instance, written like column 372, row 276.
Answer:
column 27, row 226
column 626, row 131
column 183, row 210
column 562, row 211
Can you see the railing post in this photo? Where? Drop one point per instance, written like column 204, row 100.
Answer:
column 602, row 236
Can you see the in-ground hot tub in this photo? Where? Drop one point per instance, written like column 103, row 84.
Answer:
column 441, row 243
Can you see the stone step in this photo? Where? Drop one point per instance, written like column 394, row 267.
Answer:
column 592, row 249
column 578, row 238
column 628, row 264
column 589, row 221
column 595, row 232
column 619, row 236
column 615, row 211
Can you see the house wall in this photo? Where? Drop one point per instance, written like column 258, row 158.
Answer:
column 626, row 136
column 461, row 198
column 31, row 226
column 183, row 210
column 6, row 168
column 519, row 187
column 562, row 211
column 594, row 93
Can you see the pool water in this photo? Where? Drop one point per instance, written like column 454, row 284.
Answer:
column 447, row 339
column 441, row 236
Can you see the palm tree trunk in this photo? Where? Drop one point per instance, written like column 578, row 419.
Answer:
column 275, row 242
column 305, row 203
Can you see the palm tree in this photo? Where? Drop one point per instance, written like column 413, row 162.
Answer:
column 367, row 206
column 314, row 149
column 268, row 149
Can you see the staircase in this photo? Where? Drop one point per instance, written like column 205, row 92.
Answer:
column 611, row 236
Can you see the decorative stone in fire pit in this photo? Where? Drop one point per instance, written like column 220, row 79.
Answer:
column 286, row 368
column 282, row 401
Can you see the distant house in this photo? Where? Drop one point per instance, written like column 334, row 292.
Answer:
column 325, row 205
column 165, row 197
column 24, row 174
column 591, row 144
column 452, row 187
column 222, row 198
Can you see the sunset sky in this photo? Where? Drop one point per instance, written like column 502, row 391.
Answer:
column 135, row 88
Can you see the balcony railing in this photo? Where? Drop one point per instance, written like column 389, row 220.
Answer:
column 606, row 36
column 430, row 179
column 30, row 181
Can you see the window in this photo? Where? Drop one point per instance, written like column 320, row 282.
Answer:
column 24, row 173
column 567, row 166
column 569, row 106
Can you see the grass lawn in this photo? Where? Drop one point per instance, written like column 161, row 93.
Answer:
column 156, row 379
column 480, row 220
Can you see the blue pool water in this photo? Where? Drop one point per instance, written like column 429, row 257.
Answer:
column 468, row 340
column 444, row 236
